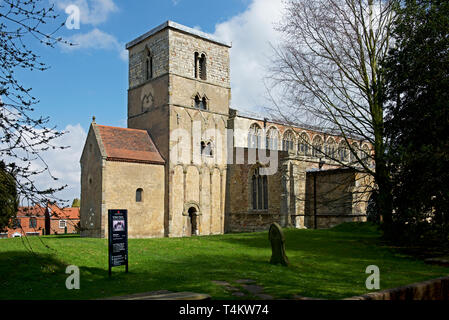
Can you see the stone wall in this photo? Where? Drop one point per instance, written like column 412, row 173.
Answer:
column 251, row 221
column 122, row 179
column 153, row 117
column 341, row 194
column 182, row 49
column 92, row 164
column 434, row 289
column 183, row 91
column 165, row 106
column 158, row 46
column 201, row 188
column 194, row 178
column 240, row 215
column 335, row 201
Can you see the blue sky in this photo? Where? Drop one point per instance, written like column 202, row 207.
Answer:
column 91, row 78
column 83, row 82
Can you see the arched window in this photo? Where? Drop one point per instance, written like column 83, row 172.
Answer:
column 317, row 146
column 203, row 147
column 197, row 102
column 259, row 188
column 148, row 65
column 207, row 149
column 343, row 151
column 210, row 149
column 366, row 154
column 196, row 64
column 254, row 139
column 354, row 152
column 288, row 142
column 303, row 144
column 200, row 103
column 200, row 66
column 272, row 139
column 330, row 148
column 139, row 195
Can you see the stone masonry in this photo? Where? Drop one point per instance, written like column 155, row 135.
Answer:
column 186, row 164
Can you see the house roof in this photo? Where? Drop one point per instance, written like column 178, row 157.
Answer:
column 129, row 145
column 64, row 213
column 33, row 211
column 54, row 210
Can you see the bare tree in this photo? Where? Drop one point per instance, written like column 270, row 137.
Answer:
column 328, row 70
column 24, row 136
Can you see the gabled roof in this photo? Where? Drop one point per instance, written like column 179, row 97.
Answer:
column 128, row 145
column 34, row 211
column 63, row 213
column 53, row 209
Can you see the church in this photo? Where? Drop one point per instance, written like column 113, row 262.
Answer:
column 188, row 164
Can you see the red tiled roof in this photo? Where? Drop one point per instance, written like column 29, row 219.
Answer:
column 64, row 213
column 123, row 144
column 55, row 211
column 35, row 211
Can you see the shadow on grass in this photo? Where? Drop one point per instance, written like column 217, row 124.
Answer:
column 56, row 236
column 22, row 274
column 324, row 264
column 347, row 238
column 41, row 276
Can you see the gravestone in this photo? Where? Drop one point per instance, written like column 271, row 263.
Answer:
column 277, row 239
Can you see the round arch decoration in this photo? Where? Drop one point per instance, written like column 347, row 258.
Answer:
column 191, row 204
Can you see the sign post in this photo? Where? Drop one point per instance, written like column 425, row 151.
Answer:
column 118, row 238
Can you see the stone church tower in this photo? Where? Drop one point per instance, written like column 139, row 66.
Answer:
column 179, row 90
column 187, row 164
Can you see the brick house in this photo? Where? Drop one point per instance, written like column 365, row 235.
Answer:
column 37, row 220
column 63, row 220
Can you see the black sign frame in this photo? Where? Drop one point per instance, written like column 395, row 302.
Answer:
column 118, row 238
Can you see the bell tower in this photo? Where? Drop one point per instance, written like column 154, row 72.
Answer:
column 179, row 91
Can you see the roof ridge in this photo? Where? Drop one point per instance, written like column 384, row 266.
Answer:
column 101, row 125
column 129, row 143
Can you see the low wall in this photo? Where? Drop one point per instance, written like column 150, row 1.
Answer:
column 435, row 289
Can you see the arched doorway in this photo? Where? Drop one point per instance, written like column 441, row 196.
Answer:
column 193, row 217
column 192, row 212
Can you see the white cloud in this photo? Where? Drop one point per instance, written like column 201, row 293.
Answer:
column 96, row 39
column 92, row 12
column 64, row 164
column 251, row 33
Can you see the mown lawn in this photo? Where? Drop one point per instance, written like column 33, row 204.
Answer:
column 324, row 264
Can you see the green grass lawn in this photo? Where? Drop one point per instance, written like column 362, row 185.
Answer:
column 324, row 264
